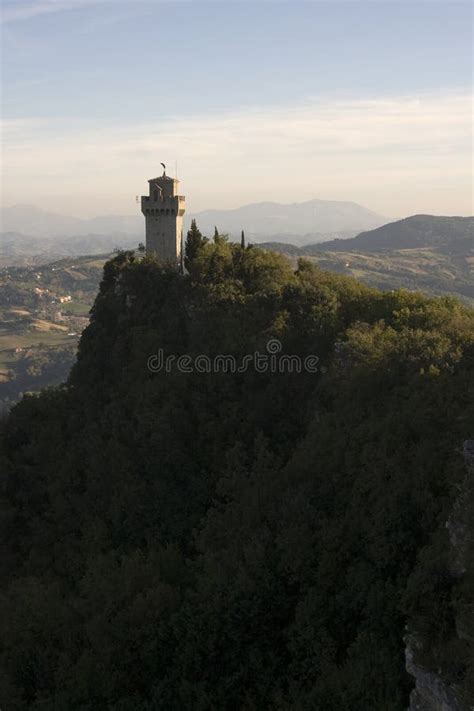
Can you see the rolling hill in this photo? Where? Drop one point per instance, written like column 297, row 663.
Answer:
column 417, row 231
column 423, row 253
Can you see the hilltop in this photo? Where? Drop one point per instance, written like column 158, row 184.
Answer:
column 181, row 538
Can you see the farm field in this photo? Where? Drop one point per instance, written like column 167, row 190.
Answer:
column 43, row 311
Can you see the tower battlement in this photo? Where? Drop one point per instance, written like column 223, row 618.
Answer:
column 164, row 209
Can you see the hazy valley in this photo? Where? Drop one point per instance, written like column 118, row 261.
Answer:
column 31, row 235
column 39, row 335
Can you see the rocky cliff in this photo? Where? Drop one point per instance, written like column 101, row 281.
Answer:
column 432, row 692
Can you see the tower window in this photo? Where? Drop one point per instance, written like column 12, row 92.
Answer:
column 155, row 195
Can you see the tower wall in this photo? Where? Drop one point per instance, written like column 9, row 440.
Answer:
column 164, row 209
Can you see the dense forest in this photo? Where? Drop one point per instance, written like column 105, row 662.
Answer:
column 240, row 540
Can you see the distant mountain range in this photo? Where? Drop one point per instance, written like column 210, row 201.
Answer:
column 307, row 228
column 306, row 220
column 19, row 249
column 311, row 221
column 34, row 222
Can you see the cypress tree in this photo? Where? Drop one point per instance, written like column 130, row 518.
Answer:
column 242, row 240
column 194, row 243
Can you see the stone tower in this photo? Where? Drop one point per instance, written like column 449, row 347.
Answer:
column 164, row 209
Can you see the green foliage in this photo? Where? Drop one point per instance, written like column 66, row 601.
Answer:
column 237, row 540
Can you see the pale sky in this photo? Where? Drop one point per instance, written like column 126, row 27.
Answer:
column 269, row 100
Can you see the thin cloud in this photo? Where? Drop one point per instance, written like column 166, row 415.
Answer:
column 18, row 10
column 15, row 10
column 381, row 152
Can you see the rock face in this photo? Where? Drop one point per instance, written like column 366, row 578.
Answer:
column 468, row 452
column 431, row 693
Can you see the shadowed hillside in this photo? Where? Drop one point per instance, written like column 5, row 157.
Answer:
column 187, row 537
column 453, row 233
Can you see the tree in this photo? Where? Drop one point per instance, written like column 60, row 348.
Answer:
column 242, row 240
column 220, row 238
column 195, row 241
